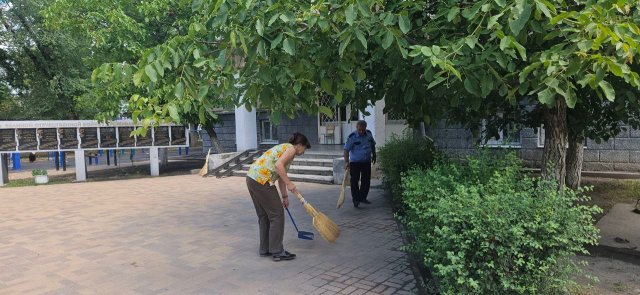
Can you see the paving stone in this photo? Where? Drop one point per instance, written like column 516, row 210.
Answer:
column 187, row 235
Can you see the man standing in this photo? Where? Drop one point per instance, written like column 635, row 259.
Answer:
column 359, row 154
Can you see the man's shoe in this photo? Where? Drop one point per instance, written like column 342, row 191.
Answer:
column 285, row 256
column 265, row 254
column 365, row 201
column 356, row 204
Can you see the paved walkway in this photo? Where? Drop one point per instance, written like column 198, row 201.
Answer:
column 188, row 235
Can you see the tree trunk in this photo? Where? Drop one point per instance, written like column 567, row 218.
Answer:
column 214, row 138
column 575, row 157
column 555, row 143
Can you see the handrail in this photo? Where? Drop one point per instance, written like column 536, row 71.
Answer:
column 237, row 165
column 226, row 164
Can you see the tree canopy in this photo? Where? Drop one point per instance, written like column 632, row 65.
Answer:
column 462, row 61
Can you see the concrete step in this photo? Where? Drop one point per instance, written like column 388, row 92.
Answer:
column 323, row 179
column 310, row 170
column 309, row 155
column 313, row 162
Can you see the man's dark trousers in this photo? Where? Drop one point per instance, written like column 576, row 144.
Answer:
column 360, row 172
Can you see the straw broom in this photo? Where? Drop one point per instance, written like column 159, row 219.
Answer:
column 342, row 188
column 325, row 226
column 205, row 168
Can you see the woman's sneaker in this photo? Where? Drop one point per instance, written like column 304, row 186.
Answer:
column 285, row 256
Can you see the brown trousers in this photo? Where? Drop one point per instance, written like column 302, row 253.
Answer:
column 270, row 215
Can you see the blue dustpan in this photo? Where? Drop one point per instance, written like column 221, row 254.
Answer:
column 305, row 235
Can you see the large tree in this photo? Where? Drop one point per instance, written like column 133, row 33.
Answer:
column 42, row 70
column 460, row 60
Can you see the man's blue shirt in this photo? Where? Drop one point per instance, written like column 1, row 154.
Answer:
column 360, row 146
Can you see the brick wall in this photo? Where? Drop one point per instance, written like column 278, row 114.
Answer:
column 621, row 153
column 226, row 130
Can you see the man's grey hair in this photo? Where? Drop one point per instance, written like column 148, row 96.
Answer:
column 362, row 123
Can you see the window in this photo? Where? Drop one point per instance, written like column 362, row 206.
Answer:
column 269, row 133
column 395, row 118
column 509, row 137
column 541, row 138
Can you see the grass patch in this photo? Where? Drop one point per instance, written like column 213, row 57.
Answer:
column 608, row 192
column 31, row 182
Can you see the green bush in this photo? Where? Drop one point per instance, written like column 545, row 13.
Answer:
column 36, row 172
column 485, row 228
column 401, row 154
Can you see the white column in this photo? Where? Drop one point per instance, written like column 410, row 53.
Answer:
column 154, row 161
column 81, row 165
column 246, row 130
column 376, row 122
column 4, row 170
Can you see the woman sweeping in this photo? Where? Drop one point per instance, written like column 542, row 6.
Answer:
column 272, row 166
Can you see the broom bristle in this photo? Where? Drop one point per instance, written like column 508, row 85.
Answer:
column 342, row 188
column 326, row 227
column 312, row 211
column 205, row 169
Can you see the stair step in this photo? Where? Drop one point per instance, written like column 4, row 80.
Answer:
column 307, row 170
column 313, row 162
column 308, row 155
column 299, row 177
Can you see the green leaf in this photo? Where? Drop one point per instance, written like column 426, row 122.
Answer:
column 348, row 83
column 471, row 41
column 435, row 49
column 486, row 85
column 289, row 46
column 471, row 86
column 426, row 51
column 137, row 78
column 615, row 68
column 151, row 73
column 326, row 111
column 262, row 51
column 344, row 45
column 272, row 20
column 173, row 112
column 520, row 15
column 326, row 85
column 436, row 82
column 296, row 87
column 276, row 41
column 196, row 4
column 179, row 90
column 361, row 75
column 361, row 38
column 404, row 23
column 608, row 90
column 350, row 14
column 260, row 27
column 547, row 97
column 453, row 12
column 200, row 62
column 204, row 89
column 501, row 3
column 387, row 40
column 585, row 45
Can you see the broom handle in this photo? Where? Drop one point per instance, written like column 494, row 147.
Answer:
column 299, row 196
column 294, row 223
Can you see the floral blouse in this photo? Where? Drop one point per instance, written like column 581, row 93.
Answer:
column 263, row 170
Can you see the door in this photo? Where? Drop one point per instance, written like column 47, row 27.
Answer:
column 349, row 119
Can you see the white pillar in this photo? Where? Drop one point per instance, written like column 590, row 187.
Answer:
column 154, row 161
column 4, row 169
column 246, row 130
column 376, row 122
column 81, row 165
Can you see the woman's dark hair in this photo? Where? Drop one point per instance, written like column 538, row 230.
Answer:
column 299, row 138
